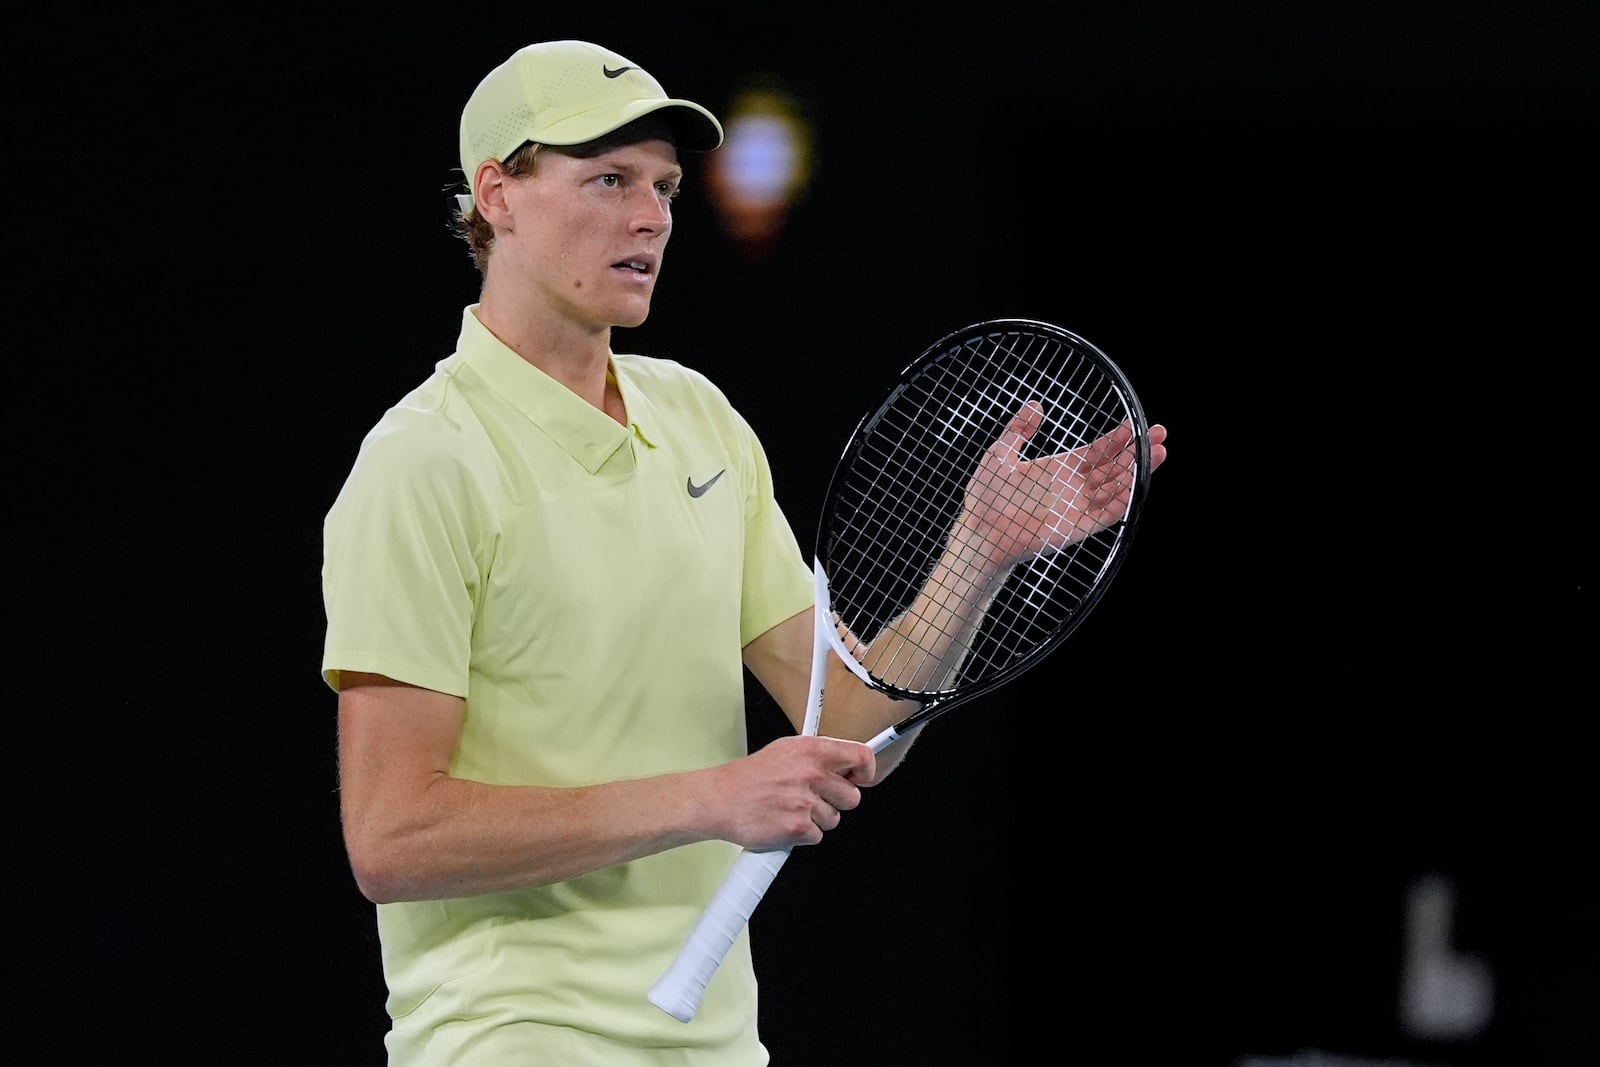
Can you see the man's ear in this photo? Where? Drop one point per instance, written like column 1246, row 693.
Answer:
column 489, row 193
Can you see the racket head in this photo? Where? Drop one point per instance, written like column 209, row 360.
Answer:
column 899, row 487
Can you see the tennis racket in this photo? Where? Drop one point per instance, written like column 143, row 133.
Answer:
column 975, row 518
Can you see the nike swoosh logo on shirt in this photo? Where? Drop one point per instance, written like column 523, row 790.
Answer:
column 700, row 490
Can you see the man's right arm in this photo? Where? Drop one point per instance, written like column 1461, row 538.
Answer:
column 414, row 832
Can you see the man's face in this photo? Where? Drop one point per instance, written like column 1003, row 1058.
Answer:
column 589, row 235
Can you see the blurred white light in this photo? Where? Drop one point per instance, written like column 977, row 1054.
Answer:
column 762, row 169
column 762, row 160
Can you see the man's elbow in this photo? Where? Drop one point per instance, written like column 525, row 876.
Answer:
column 378, row 873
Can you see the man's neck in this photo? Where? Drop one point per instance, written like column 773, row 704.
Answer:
column 576, row 356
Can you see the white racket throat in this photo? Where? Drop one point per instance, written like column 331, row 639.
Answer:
column 828, row 637
column 829, row 632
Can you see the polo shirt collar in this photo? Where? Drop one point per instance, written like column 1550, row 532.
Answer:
column 586, row 433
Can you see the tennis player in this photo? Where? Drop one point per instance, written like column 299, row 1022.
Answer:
column 544, row 576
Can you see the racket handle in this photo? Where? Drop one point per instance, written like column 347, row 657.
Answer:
column 679, row 990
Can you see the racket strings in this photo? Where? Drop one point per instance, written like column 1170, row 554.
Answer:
column 906, row 485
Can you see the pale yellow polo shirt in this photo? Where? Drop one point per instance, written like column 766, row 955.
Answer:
column 587, row 588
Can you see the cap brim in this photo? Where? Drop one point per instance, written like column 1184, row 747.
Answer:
column 694, row 128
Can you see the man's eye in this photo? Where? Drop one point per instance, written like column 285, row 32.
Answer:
column 667, row 190
column 610, row 181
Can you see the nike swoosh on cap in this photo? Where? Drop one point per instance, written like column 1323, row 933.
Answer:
column 700, row 490
column 619, row 72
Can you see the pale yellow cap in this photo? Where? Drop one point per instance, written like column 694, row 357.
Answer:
column 566, row 93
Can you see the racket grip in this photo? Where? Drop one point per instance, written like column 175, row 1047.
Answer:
column 679, row 990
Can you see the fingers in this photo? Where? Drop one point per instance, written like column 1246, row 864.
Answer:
column 849, row 764
column 836, row 790
column 1020, row 430
column 803, row 785
column 1017, row 508
column 1109, row 446
column 851, row 759
column 1158, row 445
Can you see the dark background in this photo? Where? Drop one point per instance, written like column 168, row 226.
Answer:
column 1346, row 255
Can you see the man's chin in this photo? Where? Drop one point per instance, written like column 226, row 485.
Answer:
column 632, row 316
